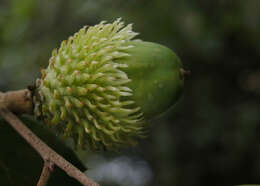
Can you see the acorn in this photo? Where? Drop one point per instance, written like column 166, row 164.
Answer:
column 102, row 87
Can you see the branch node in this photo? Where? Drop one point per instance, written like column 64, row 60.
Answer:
column 21, row 102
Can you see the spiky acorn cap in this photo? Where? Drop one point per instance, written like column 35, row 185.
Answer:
column 87, row 93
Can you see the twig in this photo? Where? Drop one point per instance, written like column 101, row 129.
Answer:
column 18, row 102
column 44, row 150
column 46, row 173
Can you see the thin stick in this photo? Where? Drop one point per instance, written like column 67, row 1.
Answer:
column 44, row 150
column 46, row 173
column 18, row 102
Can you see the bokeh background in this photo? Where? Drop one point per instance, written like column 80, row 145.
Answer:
column 211, row 137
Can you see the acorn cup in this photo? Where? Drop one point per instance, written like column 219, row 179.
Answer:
column 101, row 87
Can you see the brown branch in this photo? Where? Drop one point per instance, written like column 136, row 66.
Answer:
column 18, row 102
column 43, row 149
column 46, row 173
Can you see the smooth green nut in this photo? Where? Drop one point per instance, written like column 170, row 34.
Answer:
column 157, row 81
column 101, row 87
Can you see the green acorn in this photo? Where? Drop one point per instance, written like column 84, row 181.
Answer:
column 101, row 86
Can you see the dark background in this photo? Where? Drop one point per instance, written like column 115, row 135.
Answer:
column 212, row 136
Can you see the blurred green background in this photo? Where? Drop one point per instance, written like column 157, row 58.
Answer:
column 212, row 136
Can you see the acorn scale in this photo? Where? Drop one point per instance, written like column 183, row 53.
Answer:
column 102, row 87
